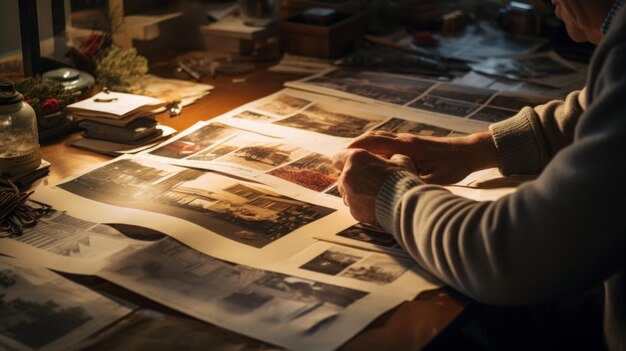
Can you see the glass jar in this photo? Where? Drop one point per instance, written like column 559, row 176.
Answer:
column 19, row 141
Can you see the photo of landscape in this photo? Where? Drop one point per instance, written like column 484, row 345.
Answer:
column 314, row 171
column 324, row 119
column 253, row 116
column 397, row 125
column 444, row 106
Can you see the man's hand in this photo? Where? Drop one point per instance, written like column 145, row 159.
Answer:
column 438, row 160
column 362, row 176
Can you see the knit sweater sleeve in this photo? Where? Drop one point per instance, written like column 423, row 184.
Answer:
column 527, row 141
column 555, row 235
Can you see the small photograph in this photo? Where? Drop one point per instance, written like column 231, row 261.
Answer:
column 378, row 269
column 221, row 149
column 397, row 125
column 382, row 93
column 195, row 142
column 251, row 216
column 444, row 106
column 253, row 116
column 492, row 114
column 334, row 191
column 330, row 83
column 123, row 180
column 517, row 101
column 391, row 82
column 264, row 156
column 284, row 105
column 367, row 235
column 314, row 171
column 324, row 119
column 462, row 92
column 331, row 261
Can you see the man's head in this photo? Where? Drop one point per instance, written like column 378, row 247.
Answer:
column 583, row 18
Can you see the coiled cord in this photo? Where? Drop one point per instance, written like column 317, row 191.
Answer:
column 17, row 211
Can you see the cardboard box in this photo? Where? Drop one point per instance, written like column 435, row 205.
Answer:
column 324, row 41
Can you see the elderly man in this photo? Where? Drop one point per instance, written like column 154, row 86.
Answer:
column 556, row 236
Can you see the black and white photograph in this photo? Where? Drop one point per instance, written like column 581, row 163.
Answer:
column 464, row 93
column 39, row 309
column 397, row 125
column 332, row 261
column 253, row 116
column 250, row 215
column 523, row 68
column 212, row 290
column 314, row 171
column 492, row 114
column 517, row 101
column 195, row 142
column 444, row 106
column 284, row 105
column 382, row 93
column 370, row 236
column 378, row 269
column 328, row 120
column 264, row 156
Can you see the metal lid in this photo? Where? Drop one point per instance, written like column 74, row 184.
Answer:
column 8, row 94
column 71, row 79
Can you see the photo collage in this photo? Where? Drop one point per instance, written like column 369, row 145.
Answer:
column 454, row 100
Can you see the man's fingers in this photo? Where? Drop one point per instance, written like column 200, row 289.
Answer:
column 339, row 159
column 404, row 162
column 379, row 145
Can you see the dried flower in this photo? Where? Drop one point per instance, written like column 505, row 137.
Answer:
column 50, row 105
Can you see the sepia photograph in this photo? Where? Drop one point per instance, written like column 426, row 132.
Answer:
column 314, row 171
column 444, row 106
column 253, row 116
column 218, row 150
column 331, row 261
column 517, row 101
column 249, row 215
column 367, row 235
column 121, row 181
column 378, row 269
column 284, row 105
column 462, row 92
column 492, row 114
column 195, row 142
column 397, row 125
column 264, row 156
column 324, row 119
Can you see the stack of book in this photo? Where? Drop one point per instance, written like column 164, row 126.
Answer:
column 114, row 122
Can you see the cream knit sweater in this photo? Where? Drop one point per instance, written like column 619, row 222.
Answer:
column 557, row 235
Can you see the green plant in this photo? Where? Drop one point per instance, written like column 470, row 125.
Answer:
column 121, row 70
column 45, row 96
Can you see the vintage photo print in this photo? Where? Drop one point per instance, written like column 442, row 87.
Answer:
column 264, row 156
column 332, row 261
column 516, row 102
column 444, row 106
column 370, row 236
column 253, row 116
column 284, row 105
column 492, row 114
column 314, row 171
column 397, row 125
column 195, row 142
column 250, row 215
column 462, row 93
column 378, row 269
column 328, row 120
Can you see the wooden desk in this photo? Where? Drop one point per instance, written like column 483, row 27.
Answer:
column 411, row 326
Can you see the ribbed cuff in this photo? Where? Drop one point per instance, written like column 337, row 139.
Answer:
column 516, row 145
column 396, row 185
